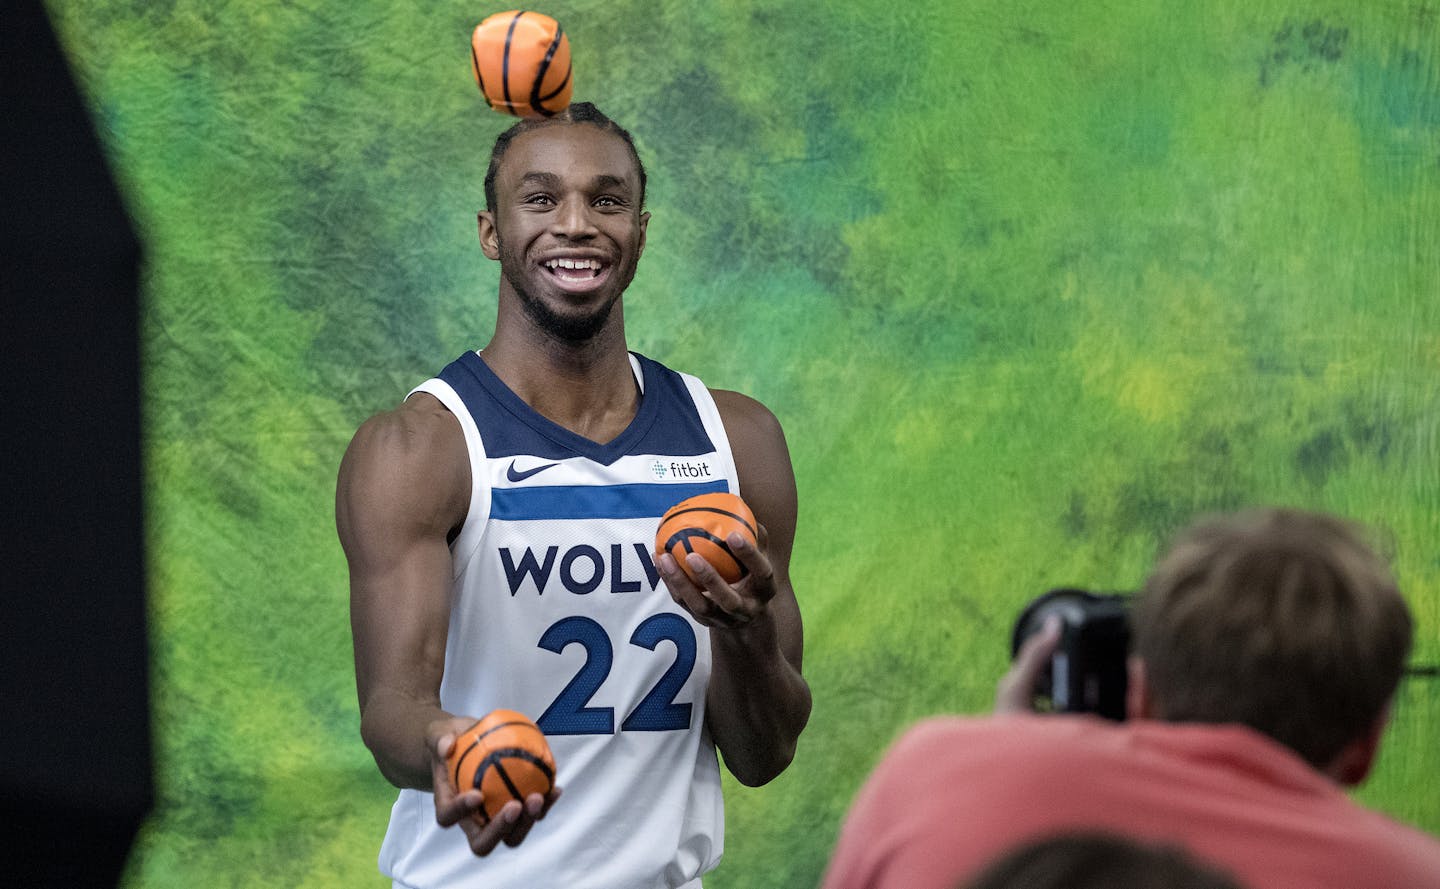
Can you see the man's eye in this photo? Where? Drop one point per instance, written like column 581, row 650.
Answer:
column 608, row 201
column 536, row 199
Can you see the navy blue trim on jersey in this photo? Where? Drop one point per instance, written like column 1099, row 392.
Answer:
column 667, row 421
column 593, row 501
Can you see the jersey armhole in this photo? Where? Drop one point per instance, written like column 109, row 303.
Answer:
column 463, row 547
column 715, row 428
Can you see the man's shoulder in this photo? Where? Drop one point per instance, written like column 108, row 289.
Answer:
column 737, row 408
column 1011, row 762
column 1019, row 725
column 985, row 738
column 418, row 441
column 419, row 423
column 1408, row 847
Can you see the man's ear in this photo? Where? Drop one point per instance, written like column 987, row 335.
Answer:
column 1139, row 701
column 1351, row 766
column 489, row 236
column 644, row 225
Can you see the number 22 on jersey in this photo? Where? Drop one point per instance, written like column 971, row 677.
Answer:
column 571, row 714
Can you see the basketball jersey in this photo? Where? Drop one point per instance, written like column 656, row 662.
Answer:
column 559, row 612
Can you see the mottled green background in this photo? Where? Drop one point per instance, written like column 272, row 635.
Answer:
column 1029, row 284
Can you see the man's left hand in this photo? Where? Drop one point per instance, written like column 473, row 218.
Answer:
column 708, row 598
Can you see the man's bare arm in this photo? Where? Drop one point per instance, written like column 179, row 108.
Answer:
column 404, row 485
column 758, row 701
column 403, row 491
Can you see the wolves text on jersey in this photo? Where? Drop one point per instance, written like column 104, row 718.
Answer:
column 581, row 569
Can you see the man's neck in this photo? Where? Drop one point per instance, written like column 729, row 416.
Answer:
column 588, row 388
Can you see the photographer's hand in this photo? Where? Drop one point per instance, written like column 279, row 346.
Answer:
column 1016, row 690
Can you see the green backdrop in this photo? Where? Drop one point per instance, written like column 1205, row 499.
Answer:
column 1029, row 284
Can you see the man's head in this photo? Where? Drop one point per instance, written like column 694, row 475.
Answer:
column 578, row 113
column 1098, row 861
column 567, row 224
column 1281, row 620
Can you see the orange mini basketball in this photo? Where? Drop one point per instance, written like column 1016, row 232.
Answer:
column 700, row 525
column 505, row 757
column 521, row 62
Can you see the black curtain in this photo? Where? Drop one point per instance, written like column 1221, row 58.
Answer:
column 75, row 749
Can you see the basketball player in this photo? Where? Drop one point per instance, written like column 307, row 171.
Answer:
column 499, row 527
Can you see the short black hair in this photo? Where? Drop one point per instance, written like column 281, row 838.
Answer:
column 577, row 113
column 1092, row 860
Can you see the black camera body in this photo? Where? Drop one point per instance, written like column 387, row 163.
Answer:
column 1087, row 673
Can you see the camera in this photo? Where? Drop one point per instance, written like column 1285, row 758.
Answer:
column 1087, row 673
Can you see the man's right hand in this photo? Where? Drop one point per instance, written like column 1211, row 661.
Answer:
column 452, row 806
column 1016, row 690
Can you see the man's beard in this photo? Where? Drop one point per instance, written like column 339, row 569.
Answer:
column 570, row 328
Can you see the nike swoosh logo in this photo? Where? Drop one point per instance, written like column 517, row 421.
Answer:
column 514, row 476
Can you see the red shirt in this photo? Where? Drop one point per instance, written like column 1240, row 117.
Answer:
column 955, row 793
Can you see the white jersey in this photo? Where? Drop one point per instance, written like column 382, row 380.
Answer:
column 558, row 612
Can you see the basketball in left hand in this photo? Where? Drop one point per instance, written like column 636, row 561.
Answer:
column 702, row 525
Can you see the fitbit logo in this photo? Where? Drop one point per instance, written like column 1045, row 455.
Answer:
column 680, row 469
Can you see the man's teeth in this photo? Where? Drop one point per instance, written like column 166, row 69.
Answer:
column 592, row 264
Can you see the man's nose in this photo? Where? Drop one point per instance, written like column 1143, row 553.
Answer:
column 573, row 220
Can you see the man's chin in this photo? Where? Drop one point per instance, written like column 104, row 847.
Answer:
column 574, row 329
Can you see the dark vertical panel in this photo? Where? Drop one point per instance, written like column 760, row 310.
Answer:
column 75, row 760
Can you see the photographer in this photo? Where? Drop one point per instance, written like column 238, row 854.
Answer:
column 1267, row 647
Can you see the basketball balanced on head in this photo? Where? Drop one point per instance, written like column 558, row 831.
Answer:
column 504, row 756
column 521, row 62
column 701, row 525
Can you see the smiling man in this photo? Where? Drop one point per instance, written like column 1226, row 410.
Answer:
column 499, row 527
